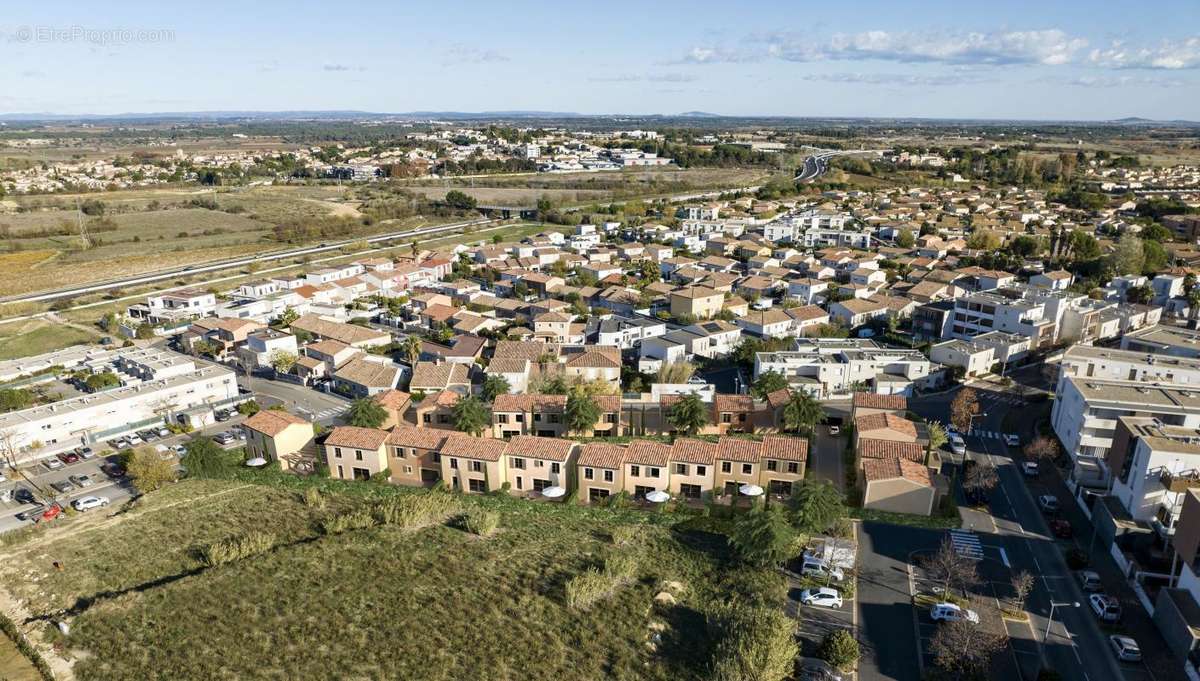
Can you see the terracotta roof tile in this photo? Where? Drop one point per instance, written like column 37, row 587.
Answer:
column 547, row 448
column 738, row 449
column 877, row 470
column 468, row 447
column 869, row 448
column 270, row 422
column 687, row 450
column 885, row 421
column 509, row 402
column 355, row 437
column 877, row 401
column 422, row 438
column 785, row 448
column 602, row 455
column 648, row 453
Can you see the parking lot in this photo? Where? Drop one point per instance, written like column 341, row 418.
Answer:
column 66, row 480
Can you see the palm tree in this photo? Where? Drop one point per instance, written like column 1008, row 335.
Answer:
column 411, row 348
column 366, row 413
column 582, row 412
column 470, row 416
column 802, row 412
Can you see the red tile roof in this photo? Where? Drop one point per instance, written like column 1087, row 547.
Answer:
column 421, row 438
column 270, row 422
column 877, row 470
column 869, row 448
column 356, row 438
column 602, row 455
column 468, row 447
column 877, row 401
column 532, row 403
column 885, row 421
column 547, row 448
column 687, row 450
column 785, row 448
column 648, row 453
column 738, row 449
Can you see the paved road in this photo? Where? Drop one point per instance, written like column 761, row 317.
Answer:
column 826, row 457
column 317, row 406
column 888, row 623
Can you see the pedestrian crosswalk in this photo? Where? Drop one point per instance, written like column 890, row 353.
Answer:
column 966, row 544
column 992, row 434
column 1013, row 400
column 328, row 413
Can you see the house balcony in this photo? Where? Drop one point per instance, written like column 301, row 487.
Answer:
column 1181, row 481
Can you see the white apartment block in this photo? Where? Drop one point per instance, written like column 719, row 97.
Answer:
column 828, row 368
column 1154, row 465
column 156, row 386
column 1088, row 361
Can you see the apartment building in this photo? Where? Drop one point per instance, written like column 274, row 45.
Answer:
column 698, row 302
column 1154, row 465
column 156, row 386
column 1176, row 341
column 1086, row 410
column 1089, row 361
column 829, row 367
column 980, row 313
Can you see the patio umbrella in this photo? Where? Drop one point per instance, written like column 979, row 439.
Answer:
column 553, row 492
column 658, row 497
column 256, row 462
column 751, row 490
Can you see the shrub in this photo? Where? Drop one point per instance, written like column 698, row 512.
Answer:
column 840, row 650
column 236, row 548
column 313, row 498
column 417, row 510
column 354, row 520
column 623, row 534
column 481, row 521
column 752, row 643
column 594, row 585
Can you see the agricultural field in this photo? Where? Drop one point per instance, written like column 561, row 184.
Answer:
column 415, row 596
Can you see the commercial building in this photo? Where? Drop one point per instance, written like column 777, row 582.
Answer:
column 830, row 367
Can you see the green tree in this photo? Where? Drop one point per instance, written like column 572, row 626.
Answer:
column 905, row 239
column 460, row 200
column 754, row 643
column 494, row 385
column 763, row 537
column 1157, row 232
column 1084, row 246
column 802, row 413
column 1156, row 257
column 1128, row 256
column 288, row 316
column 471, row 416
column 1139, row 294
column 816, row 506
column 840, row 650
column 147, row 470
column 768, row 383
column 366, row 413
column 204, row 458
column 582, row 412
column 101, row 381
column 249, row 408
column 411, row 347
column 937, row 436
column 13, row 399
column 283, row 361
column 689, row 414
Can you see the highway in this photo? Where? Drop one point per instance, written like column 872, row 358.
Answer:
column 816, row 164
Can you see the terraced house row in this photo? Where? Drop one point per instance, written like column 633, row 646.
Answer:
column 527, row 464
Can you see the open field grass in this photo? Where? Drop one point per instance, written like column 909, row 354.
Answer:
column 34, row 337
column 13, row 665
column 384, row 602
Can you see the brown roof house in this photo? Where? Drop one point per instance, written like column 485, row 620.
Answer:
column 428, row 377
column 354, row 453
column 436, row 410
column 645, row 467
column 396, row 404
column 898, row 485
column 366, row 376
column 692, row 463
column 473, row 464
column 535, row 463
column 599, row 470
column 415, row 455
column 283, row 437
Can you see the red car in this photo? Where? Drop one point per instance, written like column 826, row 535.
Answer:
column 1060, row 528
column 52, row 512
column 68, row 457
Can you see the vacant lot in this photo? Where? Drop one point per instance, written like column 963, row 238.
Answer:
column 33, row 337
column 383, row 602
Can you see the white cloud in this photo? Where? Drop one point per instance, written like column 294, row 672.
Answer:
column 1103, row 81
column 895, row 79
column 1049, row 46
column 653, row 78
column 1170, row 55
column 715, row 55
column 342, row 67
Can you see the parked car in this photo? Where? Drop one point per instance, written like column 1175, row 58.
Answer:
column 134, row 439
column 223, row 438
column 23, row 495
column 834, row 430
column 813, row 567
column 113, row 470
column 62, row 486
column 179, row 450
column 1012, row 440
column 148, row 435
column 824, row 596
column 958, row 445
column 1125, row 648
column 1061, row 528
column 1105, row 607
column 82, row 480
column 52, row 464
column 1049, row 504
column 88, row 503
column 1030, row 469
column 50, row 513
column 222, row 415
column 1089, row 580
column 164, row 432
column 85, row 453
column 949, row 612
column 32, row 512
column 816, row 669
column 68, row 457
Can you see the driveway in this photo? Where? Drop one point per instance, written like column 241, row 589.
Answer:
column 826, row 457
column 888, row 624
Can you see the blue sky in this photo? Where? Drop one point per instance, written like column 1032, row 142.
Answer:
column 1053, row 59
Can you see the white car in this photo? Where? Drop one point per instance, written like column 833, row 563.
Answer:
column 957, row 444
column 134, row 440
column 813, row 567
column 949, row 612
column 1125, row 648
column 1106, row 608
column 88, row 503
column 53, row 464
column 1048, row 503
column 1012, row 440
column 2, row 478
column 824, row 596
column 1030, row 469
column 834, row 430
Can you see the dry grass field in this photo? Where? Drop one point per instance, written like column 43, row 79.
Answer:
column 392, row 600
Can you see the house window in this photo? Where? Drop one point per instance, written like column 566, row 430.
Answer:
column 341, row 474
column 399, row 452
column 426, row 418
column 741, row 418
column 358, row 455
column 537, row 418
column 454, row 464
column 772, row 464
column 519, row 418
column 681, row 469
column 726, row 417
column 555, row 418
column 337, row 452
column 443, row 418
column 701, row 470
column 501, row 418
column 589, row 474
column 726, row 467
column 408, row 470
column 437, row 458
column 608, row 476
column 610, row 418
column 793, row 468
column 653, row 472
column 476, row 466
column 518, row 463
column 747, row 469
column 555, row 468
column 476, row 485
column 635, row 470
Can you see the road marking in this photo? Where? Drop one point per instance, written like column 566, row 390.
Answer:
column 966, row 543
column 1004, row 558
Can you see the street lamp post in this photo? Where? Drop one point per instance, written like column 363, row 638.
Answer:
column 1054, row 605
column 971, row 422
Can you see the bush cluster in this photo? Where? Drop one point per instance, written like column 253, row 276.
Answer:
column 594, row 585
column 481, row 521
column 236, row 548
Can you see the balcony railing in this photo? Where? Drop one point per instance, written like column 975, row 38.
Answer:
column 1180, row 482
